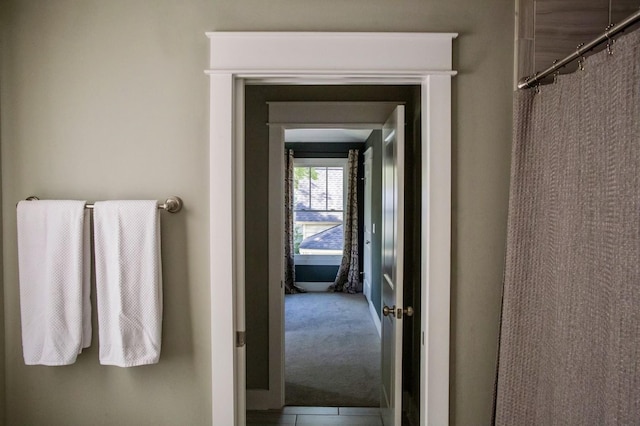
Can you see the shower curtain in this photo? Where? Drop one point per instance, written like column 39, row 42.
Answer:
column 348, row 276
column 570, row 330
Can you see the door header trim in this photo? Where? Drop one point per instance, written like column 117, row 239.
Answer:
column 316, row 54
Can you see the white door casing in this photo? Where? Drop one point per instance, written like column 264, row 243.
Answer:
column 392, row 266
column 239, row 58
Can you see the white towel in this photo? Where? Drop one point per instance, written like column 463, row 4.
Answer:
column 128, row 282
column 54, row 260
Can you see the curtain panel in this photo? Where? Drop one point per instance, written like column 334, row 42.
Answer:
column 348, row 276
column 289, row 255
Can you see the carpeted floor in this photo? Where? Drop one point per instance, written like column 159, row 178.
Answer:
column 332, row 351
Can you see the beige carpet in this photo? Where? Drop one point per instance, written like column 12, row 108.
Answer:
column 332, row 351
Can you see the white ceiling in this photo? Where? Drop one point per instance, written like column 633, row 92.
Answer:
column 326, row 135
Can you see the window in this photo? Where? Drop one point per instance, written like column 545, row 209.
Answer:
column 318, row 199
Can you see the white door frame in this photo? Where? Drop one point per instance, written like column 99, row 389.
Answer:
column 239, row 58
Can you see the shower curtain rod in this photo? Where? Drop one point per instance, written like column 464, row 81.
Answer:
column 528, row 82
column 173, row 204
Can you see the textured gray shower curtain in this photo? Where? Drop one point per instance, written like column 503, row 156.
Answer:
column 348, row 276
column 570, row 332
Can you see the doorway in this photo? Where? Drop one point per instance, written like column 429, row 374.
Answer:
column 331, row 342
column 238, row 58
column 345, row 113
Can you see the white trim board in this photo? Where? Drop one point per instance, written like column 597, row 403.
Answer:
column 244, row 58
column 298, row 115
column 314, row 286
column 375, row 318
column 295, row 54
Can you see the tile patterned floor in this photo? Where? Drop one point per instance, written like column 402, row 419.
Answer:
column 325, row 416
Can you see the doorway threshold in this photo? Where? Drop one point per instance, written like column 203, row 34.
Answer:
column 298, row 415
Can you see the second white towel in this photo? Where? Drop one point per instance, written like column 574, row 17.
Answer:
column 128, row 282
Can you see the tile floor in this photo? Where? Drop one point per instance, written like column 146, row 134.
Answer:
column 325, row 416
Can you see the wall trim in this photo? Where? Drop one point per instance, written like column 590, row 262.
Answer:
column 375, row 318
column 314, row 286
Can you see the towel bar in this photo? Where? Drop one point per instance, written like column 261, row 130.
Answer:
column 172, row 204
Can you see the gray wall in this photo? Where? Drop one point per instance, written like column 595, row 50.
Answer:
column 316, row 273
column 2, row 351
column 108, row 100
column 3, row 47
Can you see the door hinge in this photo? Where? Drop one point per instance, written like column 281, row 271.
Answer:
column 241, row 338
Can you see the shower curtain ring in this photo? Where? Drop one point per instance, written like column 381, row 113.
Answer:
column 610, row 41
column 579, row 53
column 557, row 73
column 535, row 86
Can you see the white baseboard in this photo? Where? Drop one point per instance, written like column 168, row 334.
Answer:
column 375, row 318
column 314, row 286
column 366, row 289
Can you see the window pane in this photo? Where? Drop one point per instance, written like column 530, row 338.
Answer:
column 318, row 188
column 306, row 216
column 335, row 188
column 301, row 188
column 322, row 239
column 318, row 211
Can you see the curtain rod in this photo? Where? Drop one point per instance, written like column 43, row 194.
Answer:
column 528, row 82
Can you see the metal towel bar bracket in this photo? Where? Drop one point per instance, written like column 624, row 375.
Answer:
column 172, row 204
